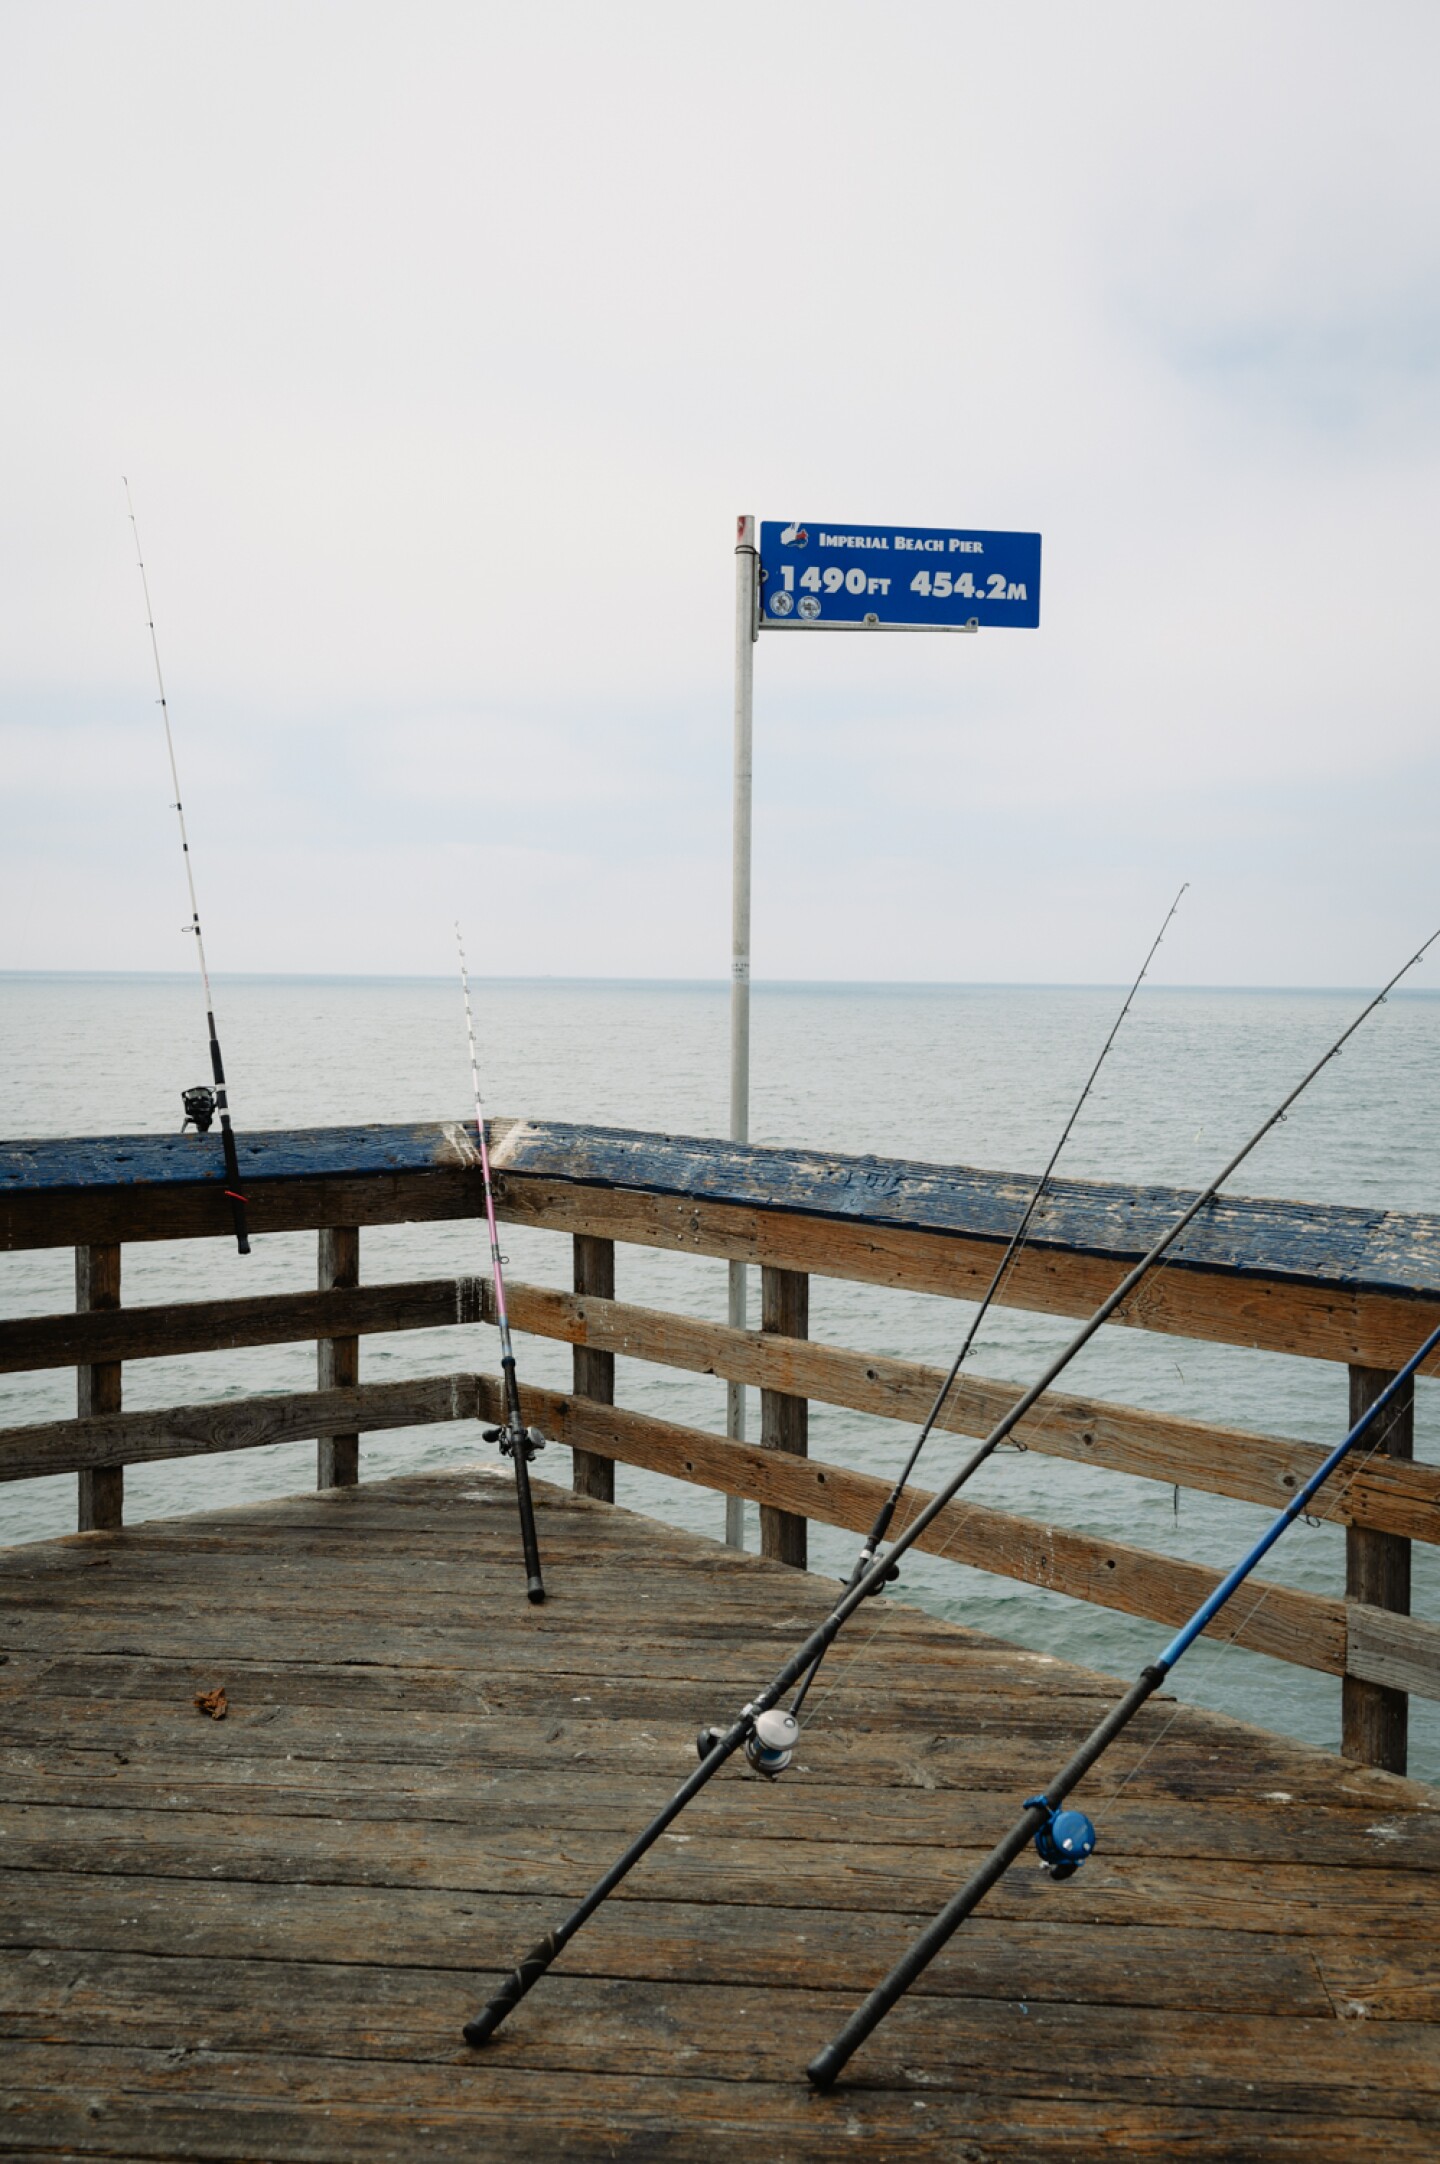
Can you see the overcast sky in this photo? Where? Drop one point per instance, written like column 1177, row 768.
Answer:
column 443, row 343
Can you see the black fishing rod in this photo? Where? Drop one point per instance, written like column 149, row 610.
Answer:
column 883, row 1517
column 1064, row 1839
column 768, row 1736
column 201, row 1104
column 517, row 1442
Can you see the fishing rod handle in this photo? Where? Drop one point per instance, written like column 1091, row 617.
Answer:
column 826, row 2066
column 521, row 1980
column 512, row 1390
column 534, row 1583
column 524, row 1978
column 232, row 1180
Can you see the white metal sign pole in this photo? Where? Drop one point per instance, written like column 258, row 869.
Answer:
column 746, row 583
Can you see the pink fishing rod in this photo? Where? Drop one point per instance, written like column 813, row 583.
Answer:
column 517, row 1442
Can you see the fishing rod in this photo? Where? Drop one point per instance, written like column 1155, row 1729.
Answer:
column 517, row 1442
column 201, row 1104
column 1064, row 1839
column 883, row 1517
column 768, row 1736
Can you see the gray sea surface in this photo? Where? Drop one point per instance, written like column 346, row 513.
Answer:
column 981, row 1075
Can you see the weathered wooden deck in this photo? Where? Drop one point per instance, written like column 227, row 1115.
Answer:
column 258, row 1937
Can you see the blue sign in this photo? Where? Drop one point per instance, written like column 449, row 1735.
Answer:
column 816, row 575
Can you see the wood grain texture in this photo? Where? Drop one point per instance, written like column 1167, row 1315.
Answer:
column 1350, row 1284
column 277, row 1318
column 784, row 1416
column 258, row 1937
column 1374, row 1716
column 188, row 1431
column 1375, row 1329
column 1292, row 1626
column 337, row 1359
column 592, row 1367
column 1396, row 1653
column 98, row 1388
column 1389, row 1494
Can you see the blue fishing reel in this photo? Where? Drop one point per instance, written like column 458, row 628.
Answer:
column 1065, row 1839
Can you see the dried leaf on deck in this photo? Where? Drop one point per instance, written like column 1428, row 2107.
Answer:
column 214, row 1703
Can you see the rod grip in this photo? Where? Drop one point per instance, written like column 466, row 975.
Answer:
column 512, row 1991
column 529, row 1541
column 232, row 1186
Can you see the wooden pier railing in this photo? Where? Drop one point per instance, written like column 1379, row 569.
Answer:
column 1356, row 1287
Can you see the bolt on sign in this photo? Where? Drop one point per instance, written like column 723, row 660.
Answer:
column 817, row 575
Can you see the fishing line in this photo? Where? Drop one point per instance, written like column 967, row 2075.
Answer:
column 767, row 1736
column 1007, row 1261
column 517, row 1442
column 201, row 1104
column 1221, row 1646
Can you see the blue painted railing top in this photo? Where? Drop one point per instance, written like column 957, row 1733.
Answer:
column 1375, row 1250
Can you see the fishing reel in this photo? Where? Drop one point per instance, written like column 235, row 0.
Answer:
column 769, row 1746
column 199, row 1106
column 1065, row 1839
column 512, row 1439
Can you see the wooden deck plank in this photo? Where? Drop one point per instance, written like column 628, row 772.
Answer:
column 78, row 1914
column 214, row 2105
column 1054, row 2048
column 123, row 1703
column 615, row 1800
column 259, row 1936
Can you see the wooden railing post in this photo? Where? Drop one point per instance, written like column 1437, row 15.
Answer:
column 784, row 1421
column 1375, row 1718
column 102, row 1487
column 337, row 1359
column 594, row 1372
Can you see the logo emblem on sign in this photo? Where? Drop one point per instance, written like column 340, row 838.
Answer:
column 794, row 537
column 781, row 604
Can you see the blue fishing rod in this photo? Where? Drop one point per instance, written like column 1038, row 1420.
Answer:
column 1064, row 1839
column 766, row 1734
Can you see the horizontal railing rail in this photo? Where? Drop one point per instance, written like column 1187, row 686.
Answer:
column 1359, row 1286
column 277, row 1318
column 1388, row 1495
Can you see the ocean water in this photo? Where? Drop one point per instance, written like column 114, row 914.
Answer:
column 983, row 1075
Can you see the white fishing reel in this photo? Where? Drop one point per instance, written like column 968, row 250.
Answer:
column 770, row 1745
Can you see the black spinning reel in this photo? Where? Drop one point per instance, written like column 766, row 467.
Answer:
column 510, row 1439
column 199, row 1106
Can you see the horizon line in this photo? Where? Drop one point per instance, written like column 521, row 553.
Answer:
column 664, row 983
